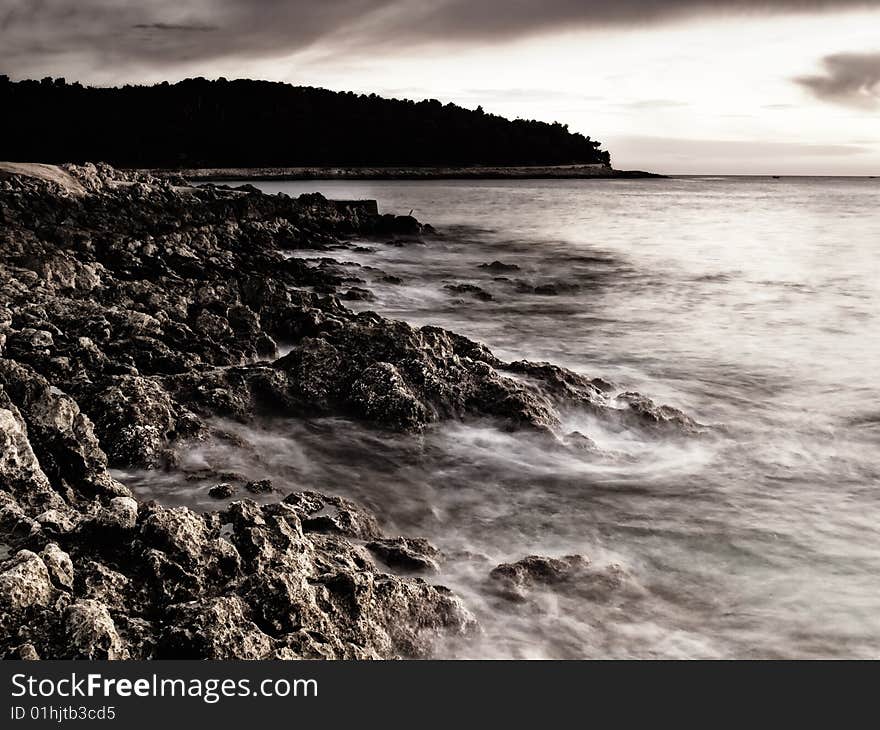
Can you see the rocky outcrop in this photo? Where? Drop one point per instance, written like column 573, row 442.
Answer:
column 572, row 576
column 136, row 311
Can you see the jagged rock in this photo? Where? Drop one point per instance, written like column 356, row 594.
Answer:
column 646, row 412
column 56, row 521
column 330, row 514
column 27, row 652
column 260, row 486
column 409, row 554
column 24, row 582
column 356, row 294
column 216, row 628
column 68, row 450
column 59, row 565
column 573, row 575
column 91, row 633
column 119, row 516
column 20, row 472
column 222, row 491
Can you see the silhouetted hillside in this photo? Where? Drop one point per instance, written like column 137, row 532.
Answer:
column 259, row 123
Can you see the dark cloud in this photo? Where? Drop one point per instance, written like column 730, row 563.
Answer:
column 88, row 36
column 161, row 34
column 509, row 18
column 171, row 26
column 850, row 79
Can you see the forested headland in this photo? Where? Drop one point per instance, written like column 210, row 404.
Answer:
column 245, row 123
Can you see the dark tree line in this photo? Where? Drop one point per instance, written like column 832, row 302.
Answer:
column 246, row 123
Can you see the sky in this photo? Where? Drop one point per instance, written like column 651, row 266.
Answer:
column 675, row 86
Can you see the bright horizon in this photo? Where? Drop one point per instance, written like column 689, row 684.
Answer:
column 793, row 92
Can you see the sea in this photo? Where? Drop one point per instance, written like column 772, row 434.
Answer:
column 750, row 303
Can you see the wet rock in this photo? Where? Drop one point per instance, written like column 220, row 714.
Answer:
column 356, row 294
column 408, row 554
column 579, row 442
column 643, row 411
column 260, row 486
column 498, row 266
column 471, row 290
column 330, row 514
column 222, row 491
column 398, row 225
column 382, row 394
column 572, row 575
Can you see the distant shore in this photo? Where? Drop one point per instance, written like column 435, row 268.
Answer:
column 568, row 172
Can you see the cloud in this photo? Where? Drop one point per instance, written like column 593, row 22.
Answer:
column 493, row 19
column 850, row 79
column 652, row 104
column 762, row 157
column 162, row 34
column 734, row 149
column 171, row 26
column 97, row 37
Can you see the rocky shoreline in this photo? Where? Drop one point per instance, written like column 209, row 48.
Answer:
column 135, row 311
column 512, row 172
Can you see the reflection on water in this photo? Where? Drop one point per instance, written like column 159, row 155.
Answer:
column 752, row 304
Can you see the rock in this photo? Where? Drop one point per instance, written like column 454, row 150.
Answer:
column 20, row 472
column 572, row 575
column 382, row 394
column 579, row 442
column 28, row 652
column 67, row 448
column 90, row 632
column 222, row 491
column 356, row 294
column 408, row 554
column 24, row 582
column 330, row 514
column 261, row 486
column 119, row 516
column 216, row 628
column 498, row 266
column 643, row 411
column 398, row 225
column 470, row 289
column 56, row 521
column 59, row 565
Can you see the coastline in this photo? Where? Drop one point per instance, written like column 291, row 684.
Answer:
column 477, row 172
column 138, row 319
